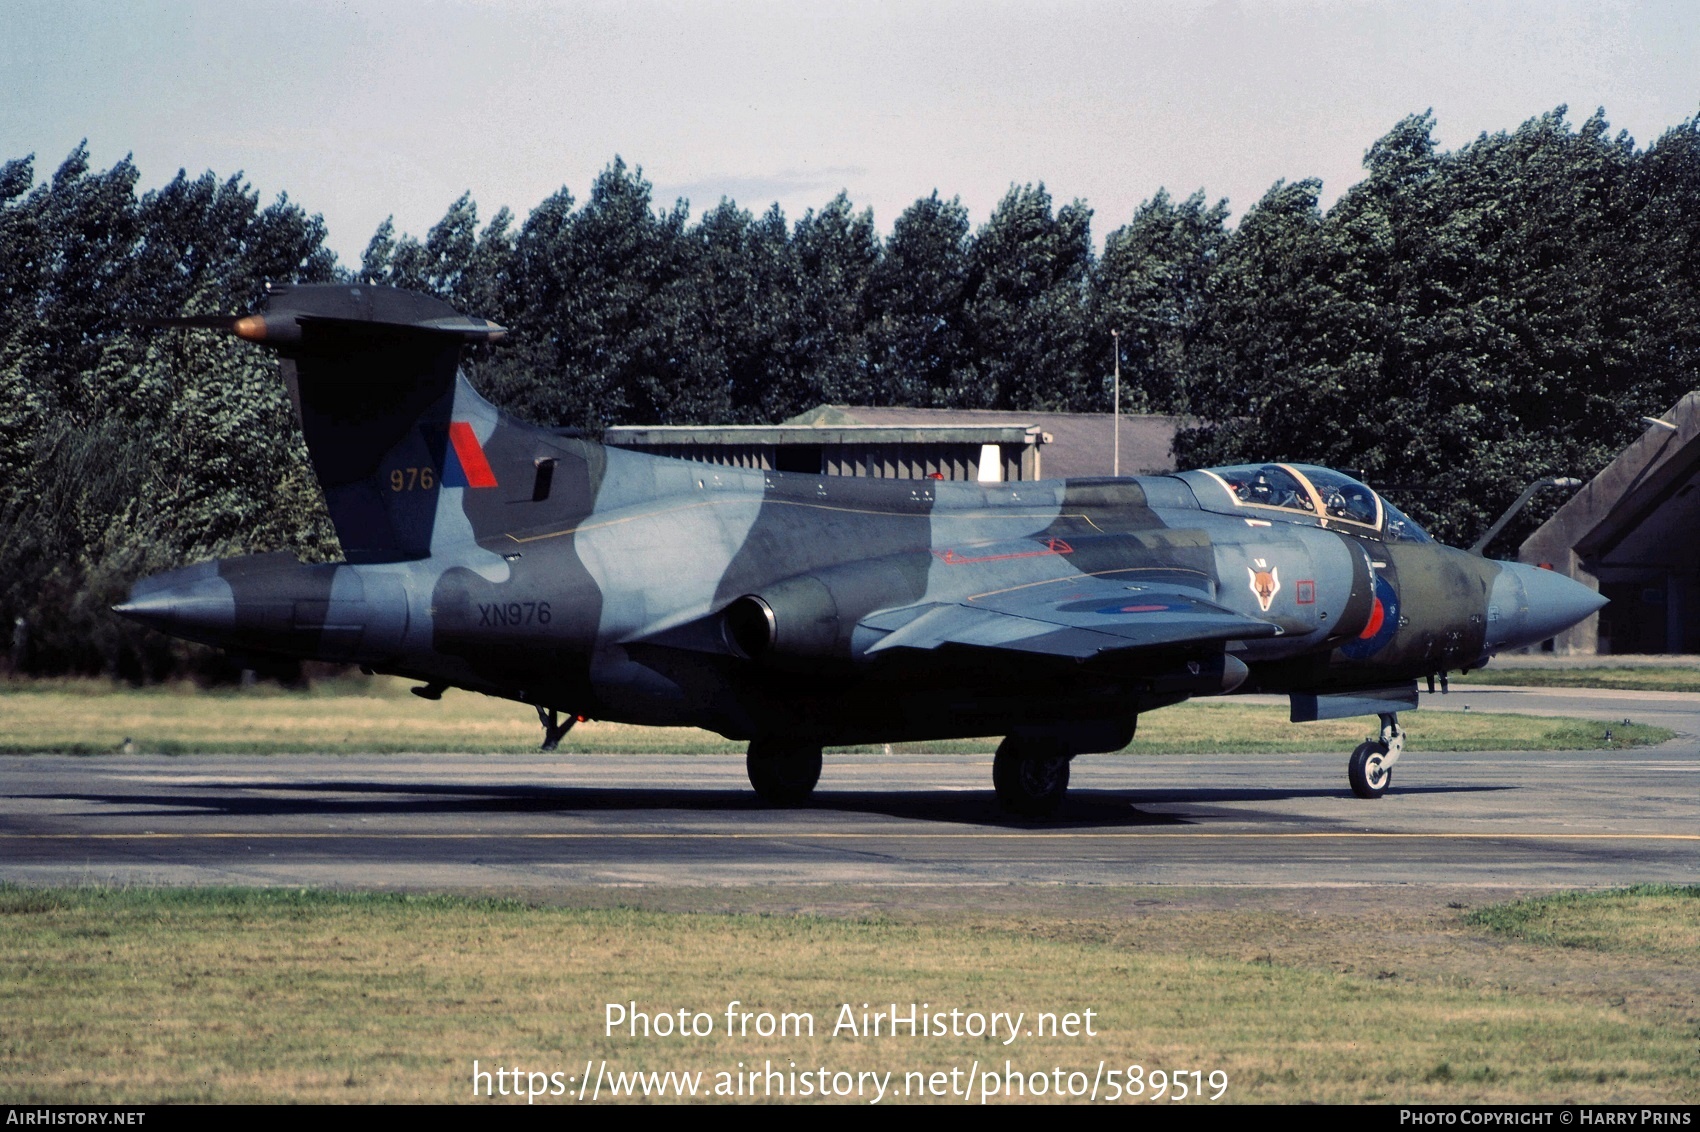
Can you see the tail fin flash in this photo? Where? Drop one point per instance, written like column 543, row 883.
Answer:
column 372, row 371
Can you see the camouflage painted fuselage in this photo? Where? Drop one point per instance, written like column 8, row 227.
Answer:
column 488, row 554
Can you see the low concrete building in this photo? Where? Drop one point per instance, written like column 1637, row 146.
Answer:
column 1631, row 533
column 898, row 443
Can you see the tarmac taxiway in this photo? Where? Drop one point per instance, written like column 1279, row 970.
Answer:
column 1523, row 820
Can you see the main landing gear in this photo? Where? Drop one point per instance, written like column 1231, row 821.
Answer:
column 1030, row 776
column 1371, row 767
column 553, row 729
column 783, row 773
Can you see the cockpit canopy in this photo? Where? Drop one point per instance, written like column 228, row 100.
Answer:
column 1301, row 492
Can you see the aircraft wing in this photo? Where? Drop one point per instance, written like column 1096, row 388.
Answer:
column 1079, row 617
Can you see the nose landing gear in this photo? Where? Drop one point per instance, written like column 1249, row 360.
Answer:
column 1370, row 769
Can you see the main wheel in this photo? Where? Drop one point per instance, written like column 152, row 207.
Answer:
column 1369, row 778
column 1030, row 776
column 783, row 774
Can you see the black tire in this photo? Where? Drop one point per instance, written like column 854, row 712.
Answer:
column 783, row 774
column 1030, row 776
column 1368, row 777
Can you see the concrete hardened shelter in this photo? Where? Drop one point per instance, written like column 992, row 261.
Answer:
column 898, row 443
column 1630, row 533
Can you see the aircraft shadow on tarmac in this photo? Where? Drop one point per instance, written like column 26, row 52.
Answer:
column 1083, row 807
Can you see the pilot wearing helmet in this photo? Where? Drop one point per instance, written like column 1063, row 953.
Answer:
column 1351, row 501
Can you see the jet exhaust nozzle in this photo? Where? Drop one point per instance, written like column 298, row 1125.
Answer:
column 795, row 620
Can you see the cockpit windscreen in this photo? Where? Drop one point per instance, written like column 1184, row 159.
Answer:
column 1402, row 529
column 1304, row 491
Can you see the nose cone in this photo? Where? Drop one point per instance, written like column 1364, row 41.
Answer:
column 1529, row 605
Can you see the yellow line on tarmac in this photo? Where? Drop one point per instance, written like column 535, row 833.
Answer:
column 780, row 835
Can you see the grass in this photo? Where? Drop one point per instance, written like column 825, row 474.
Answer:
column 1205, row 727
column 357, row 716
column 1651, row 919
column 139, row 995
column 1640, row 679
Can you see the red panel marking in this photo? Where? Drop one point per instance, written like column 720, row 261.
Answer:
column 1304, row 593
column 1052, row 546
column 471, row 455
column 1376, row 617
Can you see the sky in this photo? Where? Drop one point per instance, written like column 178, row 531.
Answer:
column 364, row 110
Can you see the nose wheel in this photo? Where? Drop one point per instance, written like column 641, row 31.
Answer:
column 1370, row 769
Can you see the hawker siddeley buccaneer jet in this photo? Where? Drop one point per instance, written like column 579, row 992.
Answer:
column 799, row 611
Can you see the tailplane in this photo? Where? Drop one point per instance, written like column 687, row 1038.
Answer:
column 373, row 372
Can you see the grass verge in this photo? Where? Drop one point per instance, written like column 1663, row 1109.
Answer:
column 379, row 716
column 1650, row 919
column 1639, row 679
column 130, row 996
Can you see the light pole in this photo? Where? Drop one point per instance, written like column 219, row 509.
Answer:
column 1116, row 407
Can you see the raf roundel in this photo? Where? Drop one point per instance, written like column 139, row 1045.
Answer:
column 1382, row 625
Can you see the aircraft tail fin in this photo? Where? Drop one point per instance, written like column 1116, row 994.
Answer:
column 373, row 373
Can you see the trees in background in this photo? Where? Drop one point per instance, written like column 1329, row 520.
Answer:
column 124, row 451
column 1460, row 323
column 1457, row 324
column 1153, row 284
